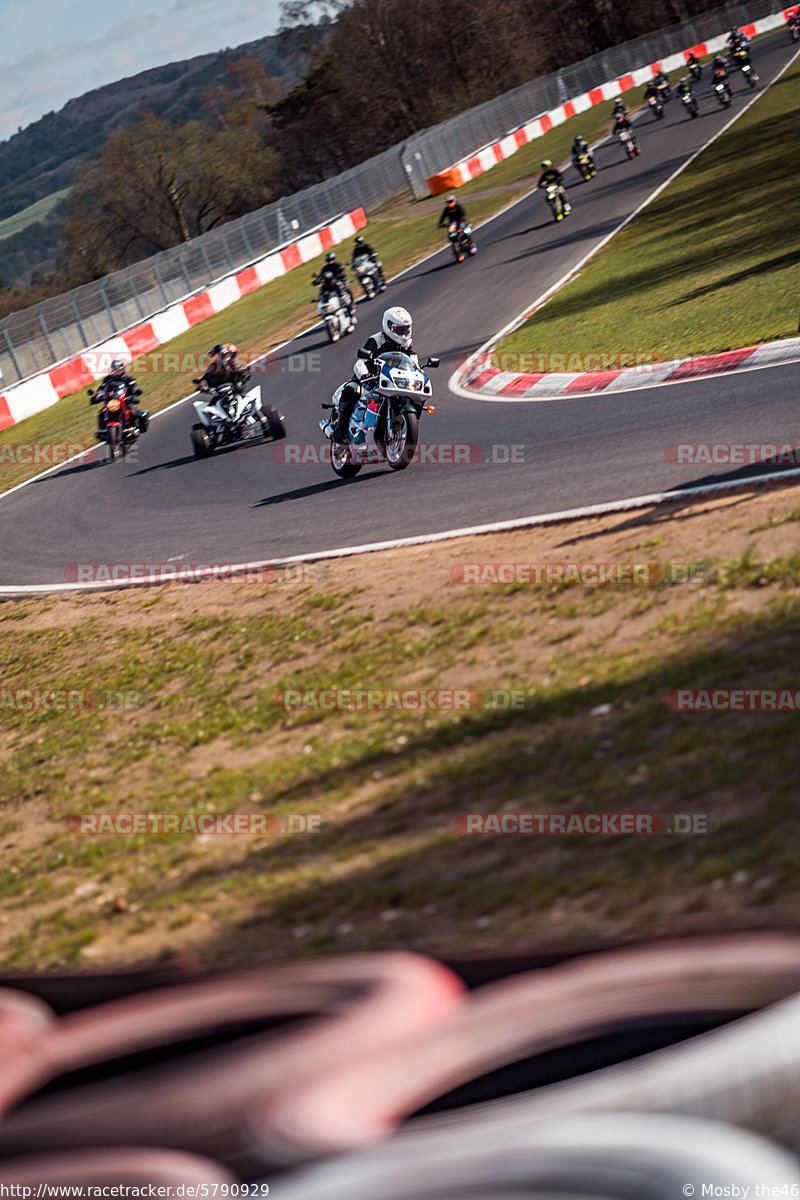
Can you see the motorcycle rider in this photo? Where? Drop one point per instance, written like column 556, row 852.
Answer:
column 332, row 277
column 452, row 212
column 662, row 83
column 551, row 175
column 694, row 66
column 719, row 73
column 395, row 334
column 621, row 124
column 118, row 374
column 651, row 92
column 738, row 40
column 684, row 88
column 361, row 248
column 580, row 147
column 620, row 109
column 223, row 369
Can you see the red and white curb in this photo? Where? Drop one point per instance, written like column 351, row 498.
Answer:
column 486, row 381
column 247, row 569
column 43, row 390
column 489, row 156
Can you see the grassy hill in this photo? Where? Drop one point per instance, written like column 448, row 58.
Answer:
column 38, row 163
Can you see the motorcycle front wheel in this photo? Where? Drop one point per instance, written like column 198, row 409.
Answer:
column 333, row 331
column 340, row 461
column 115, row 443
column 402, row 449
column 276, row 427
column 201, row 443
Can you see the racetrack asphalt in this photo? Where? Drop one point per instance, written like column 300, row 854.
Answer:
column 246, row 504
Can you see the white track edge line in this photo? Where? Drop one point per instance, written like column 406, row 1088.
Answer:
column 20, row 591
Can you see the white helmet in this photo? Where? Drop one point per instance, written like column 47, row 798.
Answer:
column 397, row 326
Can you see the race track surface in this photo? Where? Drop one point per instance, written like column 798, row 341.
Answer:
column 242, row 505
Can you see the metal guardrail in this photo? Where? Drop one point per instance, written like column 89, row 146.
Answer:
column 58, row 328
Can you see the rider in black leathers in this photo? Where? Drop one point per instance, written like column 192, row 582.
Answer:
column 332, row 277
column 452, row 212
column 224, row 369
column 362, row 247
column 118, row 374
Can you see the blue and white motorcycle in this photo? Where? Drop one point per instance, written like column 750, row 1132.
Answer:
column 384, row 426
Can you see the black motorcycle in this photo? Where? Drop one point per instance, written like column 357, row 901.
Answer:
column 459, row 237
column 722, row 90
column 656, row 106
column 584, row 165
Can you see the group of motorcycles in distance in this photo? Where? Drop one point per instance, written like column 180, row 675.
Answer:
column 657, row 93
column 385, row 421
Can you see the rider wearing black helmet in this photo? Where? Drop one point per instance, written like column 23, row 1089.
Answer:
column 361, row 248
column 332, row 277
column 224, row 369
column 118, row 374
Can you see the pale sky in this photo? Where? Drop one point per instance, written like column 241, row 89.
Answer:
column 54, row 50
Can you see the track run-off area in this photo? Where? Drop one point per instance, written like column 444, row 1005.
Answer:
column 478, row 463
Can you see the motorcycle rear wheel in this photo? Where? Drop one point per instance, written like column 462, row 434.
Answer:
column 402, row 449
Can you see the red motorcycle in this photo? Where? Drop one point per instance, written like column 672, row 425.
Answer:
column 117, row 426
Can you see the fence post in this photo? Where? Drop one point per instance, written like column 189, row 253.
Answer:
column 74, row 305
column 11, row 354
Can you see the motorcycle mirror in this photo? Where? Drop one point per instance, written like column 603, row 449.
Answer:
column 362, row 353
column 432, row 362
column 91, row 393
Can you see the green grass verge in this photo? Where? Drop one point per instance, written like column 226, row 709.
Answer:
column 594, row 735
column 709, row 266
column 30, row 215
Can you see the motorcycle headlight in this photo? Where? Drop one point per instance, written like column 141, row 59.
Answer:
column 113, row 406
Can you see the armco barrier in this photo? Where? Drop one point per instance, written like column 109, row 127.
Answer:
column 58, row 329
column 41, row 391
column 488, row 156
